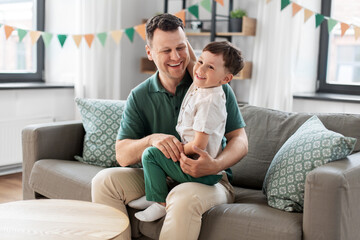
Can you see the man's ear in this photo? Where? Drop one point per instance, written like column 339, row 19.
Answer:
column 148, row 52
column 227, row 78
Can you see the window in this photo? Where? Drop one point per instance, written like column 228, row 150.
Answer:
column 21, row 61
column 339, row 57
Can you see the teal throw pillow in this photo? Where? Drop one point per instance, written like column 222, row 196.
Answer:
column 101, row 121
column 311, row 146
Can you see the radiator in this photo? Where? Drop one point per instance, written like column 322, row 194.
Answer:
column 10, row 138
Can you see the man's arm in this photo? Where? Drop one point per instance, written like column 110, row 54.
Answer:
column 235, row 150
column 129, row 151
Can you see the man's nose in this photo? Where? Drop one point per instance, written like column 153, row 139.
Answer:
column 174, row 55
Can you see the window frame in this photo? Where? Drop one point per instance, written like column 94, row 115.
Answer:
column 38, row 75
column 322, row 85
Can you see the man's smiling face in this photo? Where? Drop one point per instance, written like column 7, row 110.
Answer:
column 170, row 54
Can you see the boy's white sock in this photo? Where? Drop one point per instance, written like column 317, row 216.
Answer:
column 152, row 213
column 140, row 203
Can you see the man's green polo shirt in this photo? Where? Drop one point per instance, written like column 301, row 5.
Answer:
column 151, row 109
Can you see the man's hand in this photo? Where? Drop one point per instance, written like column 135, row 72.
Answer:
column 204, row 165
column 169, row 145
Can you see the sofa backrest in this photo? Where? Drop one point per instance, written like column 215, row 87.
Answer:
column 267, row 131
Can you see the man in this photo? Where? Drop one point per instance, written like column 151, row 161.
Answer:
column 149, row 119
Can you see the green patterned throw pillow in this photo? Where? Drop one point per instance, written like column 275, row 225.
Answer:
column 101, row 120
column 311, row 146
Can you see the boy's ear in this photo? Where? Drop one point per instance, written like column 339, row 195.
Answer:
column 148, row 52
column 227, row 78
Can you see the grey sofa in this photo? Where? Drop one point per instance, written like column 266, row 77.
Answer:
column 332, row 191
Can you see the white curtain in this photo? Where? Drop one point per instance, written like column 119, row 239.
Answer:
column 98, row 71
column 285, row 51
column 94, row 71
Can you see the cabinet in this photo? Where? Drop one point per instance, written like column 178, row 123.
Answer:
column 248, row 29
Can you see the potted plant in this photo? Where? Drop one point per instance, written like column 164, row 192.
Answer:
column 236, row 19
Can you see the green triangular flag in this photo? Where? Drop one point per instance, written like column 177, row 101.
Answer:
column 331, row 24
column 319, row 19
column 130, row 33
column 62, row 39
column 47, row 38
column 284, row 3
column 206, row 4
column 21, row 33
column 194, row 10
column 102, row 37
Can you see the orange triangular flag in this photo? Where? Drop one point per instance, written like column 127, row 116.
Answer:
column 344, row 28
column 357, row 32
column 116, row 35
column 77, row 39
column 221, row 2
column 140, row 29
column 307, row 14
column 89, row 39
column 295, row 8
column 267, row 1
column 34, row 35
column 8, row 31
column 181, row 15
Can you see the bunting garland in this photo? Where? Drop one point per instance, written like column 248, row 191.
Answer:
column 102, row 37
column 140, row 29
column 89, row 39
column 21, row 33
column 34, row 35
column 116, row 35
column 47, row 38
column 77, row 39
column 62, row 38
column 319, row 18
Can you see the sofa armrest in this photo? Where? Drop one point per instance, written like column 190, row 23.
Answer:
column 59, row 140
column 332, row 194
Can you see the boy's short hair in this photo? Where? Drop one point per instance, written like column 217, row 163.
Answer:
column 165, row 22
column 232, row 56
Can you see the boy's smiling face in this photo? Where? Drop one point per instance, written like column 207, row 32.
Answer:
column 209, row 71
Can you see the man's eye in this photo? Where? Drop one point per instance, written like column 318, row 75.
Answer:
column 180, row 48
column 201, row 62
column 211, row 67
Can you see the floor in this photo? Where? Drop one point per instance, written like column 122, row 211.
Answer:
column 10, row 187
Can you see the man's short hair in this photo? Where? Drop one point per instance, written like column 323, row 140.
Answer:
column 165, row 22
column 232, row 56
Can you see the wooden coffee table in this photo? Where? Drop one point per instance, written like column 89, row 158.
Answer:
column 60, row 219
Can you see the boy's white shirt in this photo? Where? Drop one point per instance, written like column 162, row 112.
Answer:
column 203, row 110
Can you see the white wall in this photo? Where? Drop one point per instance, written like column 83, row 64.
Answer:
column 22, row 107
column 133, row 12
column 26, row 103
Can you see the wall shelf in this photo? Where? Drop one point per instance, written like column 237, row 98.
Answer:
column 249, row 27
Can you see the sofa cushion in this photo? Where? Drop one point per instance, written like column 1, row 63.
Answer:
column 311, row 146
column 267, row 131
column 101, row 120
column 75, row 178
column 248, row 218
column 250, row 221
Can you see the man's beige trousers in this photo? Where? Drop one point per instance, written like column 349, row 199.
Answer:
column 186, row 202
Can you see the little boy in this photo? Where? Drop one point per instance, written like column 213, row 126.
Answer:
column 201, row 124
